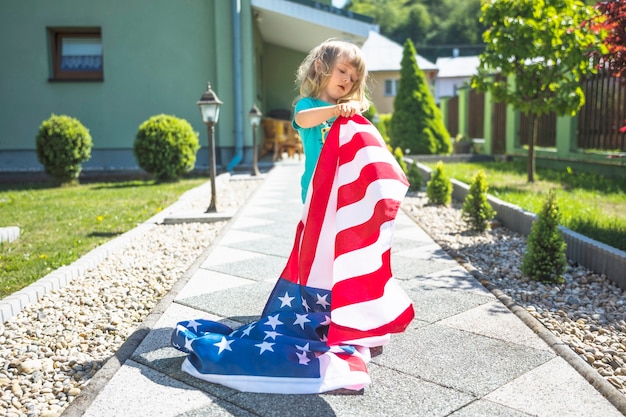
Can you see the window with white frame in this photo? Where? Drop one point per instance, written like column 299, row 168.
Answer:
column 76, row 54
column 391, row 87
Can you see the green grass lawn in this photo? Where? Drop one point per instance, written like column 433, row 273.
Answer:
column 59, row 225
column 590, row 204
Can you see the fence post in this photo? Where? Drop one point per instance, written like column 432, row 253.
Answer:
column 464, row 110
column 488, row 124
column 565, row 135
column 443, row 108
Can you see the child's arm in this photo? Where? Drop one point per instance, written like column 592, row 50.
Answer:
column 314, row 116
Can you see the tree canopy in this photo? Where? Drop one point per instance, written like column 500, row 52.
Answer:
column 546, row 46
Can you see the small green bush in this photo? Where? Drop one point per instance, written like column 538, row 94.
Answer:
column 63, row 144
column 166, row 147
column 439, row 188
column 414, row 177
column 397, row 153
column 545, row 259
column 477, row 211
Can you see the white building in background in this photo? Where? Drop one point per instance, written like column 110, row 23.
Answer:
column 454, row 72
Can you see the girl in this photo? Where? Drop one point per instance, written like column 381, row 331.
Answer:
column 332, row 82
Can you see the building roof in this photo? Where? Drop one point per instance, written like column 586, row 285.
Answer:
column 301, row 25
column 457, row 67
column 383, row 54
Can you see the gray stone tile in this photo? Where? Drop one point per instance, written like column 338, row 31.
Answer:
column 391, row 393
column 495, row 320
column 271, row 229
column 275, row 245
column 262, row 269
column 554, row 389
column 136, row 390
column 205, row 281
column 405, row 268
column 464, row 361
column 483, row 408
column 242, row 304
column 454, row 278
column 401, row 244
column 432, row 304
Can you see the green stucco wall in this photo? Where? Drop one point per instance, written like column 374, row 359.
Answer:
column 279, row 77
column 156, row 60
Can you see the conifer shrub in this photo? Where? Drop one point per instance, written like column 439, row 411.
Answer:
column 439, row 188
column 166, row 146
column 399, row 156
column 63, row 144
column 417, row 123
column 414, row 177
column 477, row 211
column 545, row 259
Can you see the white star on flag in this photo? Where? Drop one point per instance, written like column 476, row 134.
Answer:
column 305, row 305
column 273, row 321
column 194, row 324
column 265, row 346
column 223, row 345
column 326, row 322
column 301, row 319
column 304, row 348
column 188, row 344
column 285, row 300
column 247, row 330
column 271, row 334
column 322, row 301
column 302, row 358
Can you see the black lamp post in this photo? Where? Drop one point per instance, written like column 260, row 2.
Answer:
column 255, row 119
column 210, row 110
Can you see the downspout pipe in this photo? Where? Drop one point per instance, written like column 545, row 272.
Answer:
column 237, row 82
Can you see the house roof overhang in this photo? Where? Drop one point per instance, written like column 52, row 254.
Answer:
column 301, row 25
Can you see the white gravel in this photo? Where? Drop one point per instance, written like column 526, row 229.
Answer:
column 52, row 348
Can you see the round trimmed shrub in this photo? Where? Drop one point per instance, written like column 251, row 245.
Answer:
column 166, row 146
column 63, row 144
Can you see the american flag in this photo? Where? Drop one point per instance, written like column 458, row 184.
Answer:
column 336, row 297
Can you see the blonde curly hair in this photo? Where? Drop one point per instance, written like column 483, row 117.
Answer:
column 313, row 73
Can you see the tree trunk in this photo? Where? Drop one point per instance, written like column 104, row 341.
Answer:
column 531, row 149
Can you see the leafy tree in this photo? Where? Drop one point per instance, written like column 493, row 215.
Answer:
column 416, row 123
column 477, row 211
column 545, row 45
column 613, row 21
column 545, row 259
column 439, row 188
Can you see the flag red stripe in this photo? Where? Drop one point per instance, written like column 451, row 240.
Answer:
column 337, row 334
column 356, row 190
column 366, row 233
column 362, row 288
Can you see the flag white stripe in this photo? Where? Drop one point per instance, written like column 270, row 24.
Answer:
column 361, row 211
column 364, row 260
column 374, row 313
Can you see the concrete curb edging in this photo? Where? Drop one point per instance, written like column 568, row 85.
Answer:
column 11, row 305
column 9, row 233
column 597, row 256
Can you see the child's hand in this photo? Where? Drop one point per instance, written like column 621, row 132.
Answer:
column 348, row 109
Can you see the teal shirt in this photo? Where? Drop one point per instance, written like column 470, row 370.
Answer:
column 312, row 140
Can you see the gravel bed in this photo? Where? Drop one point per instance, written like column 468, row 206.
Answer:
column 50, row 350
column 586, row 312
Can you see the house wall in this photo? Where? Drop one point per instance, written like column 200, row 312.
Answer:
column 158, row 57
column 383, row 103
column 448, row 87
column 278, row 68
